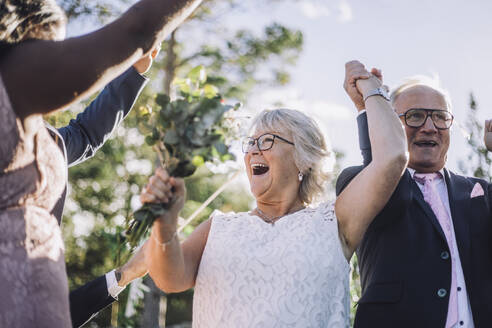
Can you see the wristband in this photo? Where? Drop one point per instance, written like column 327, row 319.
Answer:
column 164, row 244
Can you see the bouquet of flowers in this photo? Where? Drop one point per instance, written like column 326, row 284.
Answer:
column 186, row 133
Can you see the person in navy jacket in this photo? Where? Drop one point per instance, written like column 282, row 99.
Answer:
column 80, row 140
column 426, row 258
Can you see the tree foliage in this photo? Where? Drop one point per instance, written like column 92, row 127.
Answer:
column 479, row 159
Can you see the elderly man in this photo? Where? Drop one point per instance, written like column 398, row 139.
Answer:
column 426, row 259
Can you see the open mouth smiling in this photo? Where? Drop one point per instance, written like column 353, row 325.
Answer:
column 426, row 144
column 259, row 169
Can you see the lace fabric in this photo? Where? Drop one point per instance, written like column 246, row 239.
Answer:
column 33, row 281
column 290, row 274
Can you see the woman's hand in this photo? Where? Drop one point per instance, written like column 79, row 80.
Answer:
column 487, row 137
column 165, row 189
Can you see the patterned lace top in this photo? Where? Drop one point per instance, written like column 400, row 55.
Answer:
column 33, row 281
column 289, row 274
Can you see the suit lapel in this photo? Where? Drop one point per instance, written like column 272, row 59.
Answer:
column 459, row 190
column 419, row 198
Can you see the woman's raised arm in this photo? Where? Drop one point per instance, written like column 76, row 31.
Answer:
column 42, row 76
column 172, row 265
column 369, row 191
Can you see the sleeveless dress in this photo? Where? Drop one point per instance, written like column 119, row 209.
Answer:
column 289, row 274
column 33, row 281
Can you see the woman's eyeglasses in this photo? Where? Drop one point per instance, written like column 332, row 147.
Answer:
column 264, row 142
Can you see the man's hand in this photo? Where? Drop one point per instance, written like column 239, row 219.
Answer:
column 134, row 268
column 487, row 136
column 144, row 63
column 354, row 71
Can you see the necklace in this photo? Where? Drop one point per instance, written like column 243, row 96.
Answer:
column 272, row 220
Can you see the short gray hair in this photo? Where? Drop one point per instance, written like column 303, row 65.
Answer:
column 310, row 146
column 421, row 80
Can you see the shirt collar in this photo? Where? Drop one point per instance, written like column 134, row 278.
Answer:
column 412, row 172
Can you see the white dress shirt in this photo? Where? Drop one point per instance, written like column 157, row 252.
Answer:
column 113, row 289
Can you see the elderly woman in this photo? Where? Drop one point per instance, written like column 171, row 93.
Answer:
column 285, row 263
column 40, row 73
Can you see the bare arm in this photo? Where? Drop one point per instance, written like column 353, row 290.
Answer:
column 43, row 76
column 175, row 267
column 172, row 266
column 370, row 190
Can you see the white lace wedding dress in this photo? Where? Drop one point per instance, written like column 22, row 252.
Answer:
column 290, row 274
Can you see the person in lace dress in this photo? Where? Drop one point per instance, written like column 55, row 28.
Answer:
column 285, row 263
column 40, row 73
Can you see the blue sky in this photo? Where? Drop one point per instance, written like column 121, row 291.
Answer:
column 449, row 38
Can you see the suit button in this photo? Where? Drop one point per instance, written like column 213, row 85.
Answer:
column 441, row 292
column 445, row 255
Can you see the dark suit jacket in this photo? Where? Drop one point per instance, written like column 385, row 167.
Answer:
column 402, row 261
column 79, row 141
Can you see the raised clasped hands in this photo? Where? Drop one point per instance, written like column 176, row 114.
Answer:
column 358, row 81
column 165, row 189
column 487, row 137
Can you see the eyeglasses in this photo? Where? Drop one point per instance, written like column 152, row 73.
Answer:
column 416, row 117
column 264, row 142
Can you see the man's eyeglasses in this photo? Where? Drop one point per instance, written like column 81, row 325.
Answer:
column 416, row 117
column 264, row 142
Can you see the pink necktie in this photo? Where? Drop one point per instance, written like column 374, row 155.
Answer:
column 431, row 196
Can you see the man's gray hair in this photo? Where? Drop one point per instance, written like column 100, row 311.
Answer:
column 421, row 80
column 311, row 151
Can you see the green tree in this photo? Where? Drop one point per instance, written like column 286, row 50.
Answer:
column 479, row 161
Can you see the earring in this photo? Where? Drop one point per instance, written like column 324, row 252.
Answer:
column 300, row 176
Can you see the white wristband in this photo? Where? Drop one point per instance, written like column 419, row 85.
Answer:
column 164, row 244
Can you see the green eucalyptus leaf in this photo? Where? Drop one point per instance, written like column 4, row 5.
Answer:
column 185, row 89
column 197, row 93
column 228, row 157
column 145, row 111
column 198, row 161
column 144, row 127
column 162, row 100
column 184, row 169
column 171, row 137
column 210, row 91
column 164, row 123
column 198, row 74
column 221, row 148
column 155, row 134
column 150, row 141
column 180, row 82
